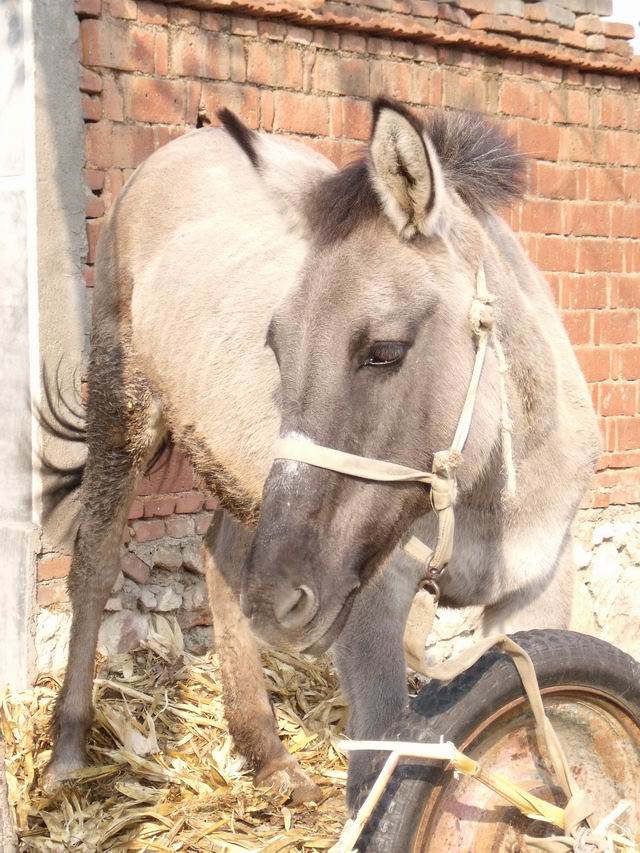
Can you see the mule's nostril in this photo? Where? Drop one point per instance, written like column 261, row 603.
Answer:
column 296, row 608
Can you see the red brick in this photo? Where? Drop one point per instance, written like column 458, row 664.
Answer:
column 299, row 35
column 632, row 256
column 145, row 531
column 627, row 293
column 112, row 100
column 267, row 62
column 53, row 593
column 556, row 253
column 161, row 53
column 301, row 113
column 585, row 292
column 50, row 568
column 117, row 45
column 159, row 506
column 91, row 108
column 616, row 327
column 95, row 207
column 136, row 510
column 353, row 43
column 587, row 219
column 88, row 273
column 214, row 22
column 345, row 76
column 123, row 9
column 629, row 363
column 180, row 527
column 622, row 148
column 584, row 145
column 133, row 567
column 543, row 217
column 90, row 82
column 174, row 476
column 605, row 184
column 184, row 17
column 628, row 432
column 189, row 502
column 540, row 141
column 113, row 183
column 267, row 109
column 625, row 221
column 94, row 226
column 243, row 100
column 597, row 255
column 152, row 13
column 462, row 91
column 128, row 145
column 553, row 181
column 520, row 99
column 568, row 106
column 594, row 362
column 626, row 459
column 200, row 54
column 88, row 8
column 578, row 326
column 614, row 29
column 237, row 61
column 617, row 398
column 211, row 503
column 274, row 30
column 94, row 179
column 155, row 101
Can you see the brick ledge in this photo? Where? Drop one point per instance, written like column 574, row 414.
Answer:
column 371, row 22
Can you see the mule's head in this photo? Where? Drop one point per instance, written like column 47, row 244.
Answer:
column 375, row 355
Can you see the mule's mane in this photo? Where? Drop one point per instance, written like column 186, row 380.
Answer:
column 479, row 161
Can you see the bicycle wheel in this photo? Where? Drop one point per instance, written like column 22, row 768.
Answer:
column 591, row 692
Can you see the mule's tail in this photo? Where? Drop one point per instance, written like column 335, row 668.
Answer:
column 66, row 422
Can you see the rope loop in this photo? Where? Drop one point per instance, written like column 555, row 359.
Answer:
column 481, row 314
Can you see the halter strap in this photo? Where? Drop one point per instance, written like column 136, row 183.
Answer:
column 441, row 478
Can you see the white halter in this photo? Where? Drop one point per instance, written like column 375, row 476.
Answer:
column 441, row 478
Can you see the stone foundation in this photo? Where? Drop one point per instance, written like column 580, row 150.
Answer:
column 166, row 577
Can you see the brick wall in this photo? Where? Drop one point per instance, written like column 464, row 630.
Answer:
column 151, row 72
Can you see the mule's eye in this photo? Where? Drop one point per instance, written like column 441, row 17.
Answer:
column 386, row 352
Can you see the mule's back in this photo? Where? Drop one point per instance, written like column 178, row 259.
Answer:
column 195, row 256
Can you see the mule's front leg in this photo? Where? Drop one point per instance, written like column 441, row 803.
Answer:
column 252, row 723
column 369, row 654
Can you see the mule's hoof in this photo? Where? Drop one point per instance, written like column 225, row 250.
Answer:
column 60, row 769
column 290, row 779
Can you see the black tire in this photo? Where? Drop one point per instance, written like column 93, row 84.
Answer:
column 455, row 709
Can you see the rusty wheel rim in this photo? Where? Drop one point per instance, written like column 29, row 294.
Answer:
column 602, row 742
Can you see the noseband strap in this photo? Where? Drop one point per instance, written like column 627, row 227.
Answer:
column 441, row 478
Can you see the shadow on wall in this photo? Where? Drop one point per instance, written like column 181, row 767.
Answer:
column 62, row 242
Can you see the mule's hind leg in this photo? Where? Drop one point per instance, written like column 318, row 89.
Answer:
column 252, row 723
column 119, row 438
column 546, row 604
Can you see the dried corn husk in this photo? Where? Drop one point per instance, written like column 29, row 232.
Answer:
column 165, row 775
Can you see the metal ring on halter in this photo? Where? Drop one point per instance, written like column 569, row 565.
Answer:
column 431, row 586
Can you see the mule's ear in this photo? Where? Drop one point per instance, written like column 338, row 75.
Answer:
column 406, row 171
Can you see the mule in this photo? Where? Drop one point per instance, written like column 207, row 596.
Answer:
column 246, row 289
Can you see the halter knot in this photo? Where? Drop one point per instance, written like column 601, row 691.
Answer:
column 481, row 314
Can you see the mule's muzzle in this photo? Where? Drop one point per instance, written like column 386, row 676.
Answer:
column 296, row 609
column 290, row 611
